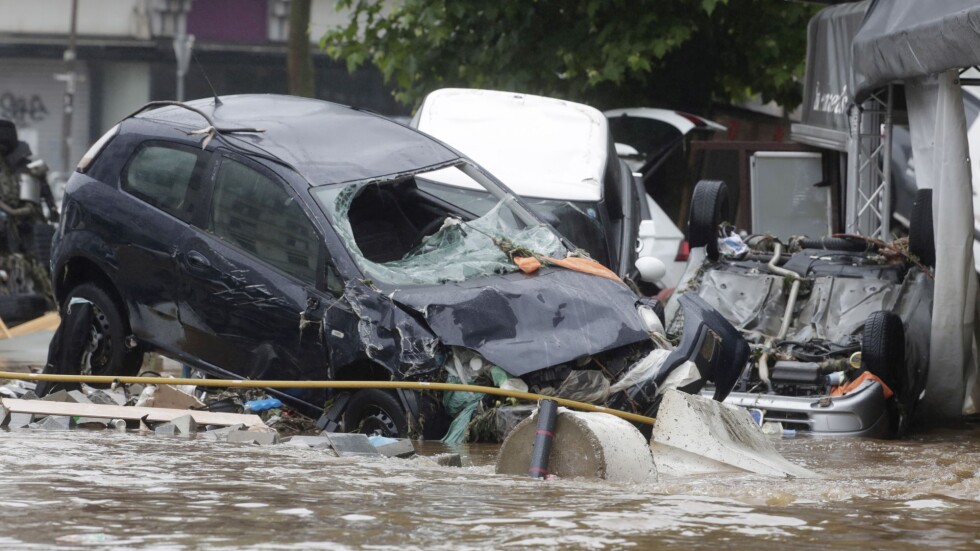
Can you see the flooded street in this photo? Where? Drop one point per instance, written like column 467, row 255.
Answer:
column 121, row 490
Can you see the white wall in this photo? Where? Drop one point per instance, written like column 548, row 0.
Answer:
column 125, row 87
column 95, row 17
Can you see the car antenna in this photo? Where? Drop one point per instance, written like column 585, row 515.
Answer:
column 217, row 100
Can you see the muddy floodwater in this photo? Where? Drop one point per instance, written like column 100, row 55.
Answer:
column 126, row 490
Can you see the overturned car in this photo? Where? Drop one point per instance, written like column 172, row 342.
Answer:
column 273, row 237
column 838, row 326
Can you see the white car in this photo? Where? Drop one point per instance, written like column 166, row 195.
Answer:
column 559, row 156
column 653, row 142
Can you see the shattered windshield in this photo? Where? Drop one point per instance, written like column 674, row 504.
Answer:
column 401, row 233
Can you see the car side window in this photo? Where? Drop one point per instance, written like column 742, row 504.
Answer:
column 255, row 213
column 163, row 175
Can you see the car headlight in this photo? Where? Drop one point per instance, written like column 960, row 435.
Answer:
column 651, row 321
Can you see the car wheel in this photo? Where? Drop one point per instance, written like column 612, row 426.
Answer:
column 106, row 352
column 373, row 411
column 922, row 242
column 709, row 208
column 883, row 354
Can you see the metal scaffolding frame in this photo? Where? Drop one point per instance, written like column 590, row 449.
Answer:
column 868, row 207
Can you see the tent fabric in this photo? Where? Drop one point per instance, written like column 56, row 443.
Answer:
column 828, row 83
column 902, row 39
column 938, row 128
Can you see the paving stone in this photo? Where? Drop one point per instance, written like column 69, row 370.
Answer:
column 55, row 422
column 183, row 425
column 108, row 397
column 351, row 444
column 402, row 447
column 300, row 441
column 19, row 420
column 59, row 396
column 221, row 433
column 251, row 437
column 78, row 397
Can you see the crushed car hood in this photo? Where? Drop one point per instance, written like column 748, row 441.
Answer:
column 525, row 323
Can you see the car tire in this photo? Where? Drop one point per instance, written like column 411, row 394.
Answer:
column 883, row 354
column 22, row 307
column 922, row 241
column 709, row 208
column 108, row 353
column 373, row 410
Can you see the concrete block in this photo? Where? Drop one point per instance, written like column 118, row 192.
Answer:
column 4, row 416
column 314, row 442
column 108, row 397
column 55, row 423
column 221, row 434
column 586, row 445
column 183, row 425
column 696, row 435
column 251, row 437
column 59, row 396
column 78, row 397
column 351, row 444
column 29, row 395
column 19, row 420
column 394, row 447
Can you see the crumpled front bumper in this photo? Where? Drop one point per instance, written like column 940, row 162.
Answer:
column 863, row 412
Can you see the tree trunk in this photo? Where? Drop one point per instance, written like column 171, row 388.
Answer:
column 300, row 62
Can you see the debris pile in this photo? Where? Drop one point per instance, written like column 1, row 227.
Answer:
column 173, row 411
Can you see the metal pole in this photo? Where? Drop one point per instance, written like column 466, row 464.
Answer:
column 70, row 81
column 853, row 169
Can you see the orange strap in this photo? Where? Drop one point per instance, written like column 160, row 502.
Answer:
column 867, row 375
column 527, row 264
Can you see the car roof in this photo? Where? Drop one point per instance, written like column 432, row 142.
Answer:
column 540, row 147
column 325, row 142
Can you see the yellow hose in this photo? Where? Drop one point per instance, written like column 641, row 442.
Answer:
column 408, row 385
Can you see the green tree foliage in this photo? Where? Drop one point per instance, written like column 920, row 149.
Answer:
column 685, row 53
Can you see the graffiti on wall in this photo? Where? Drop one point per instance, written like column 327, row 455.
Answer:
column 22, row 109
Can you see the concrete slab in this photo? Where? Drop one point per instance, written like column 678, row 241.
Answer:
column 696, row 435
column 301, row 441
column 55, row 423
column 392, row 447
column 351, row 444
column 251, row 437
column 586, row 445
column 19, row 420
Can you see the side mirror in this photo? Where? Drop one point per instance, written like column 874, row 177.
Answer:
column 651, row 268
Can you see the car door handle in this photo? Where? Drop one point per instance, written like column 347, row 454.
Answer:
column 198, row 260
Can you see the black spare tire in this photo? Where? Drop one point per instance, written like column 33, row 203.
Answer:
column 709, row 208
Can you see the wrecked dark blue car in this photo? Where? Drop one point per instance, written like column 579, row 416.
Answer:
column 273, row 237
